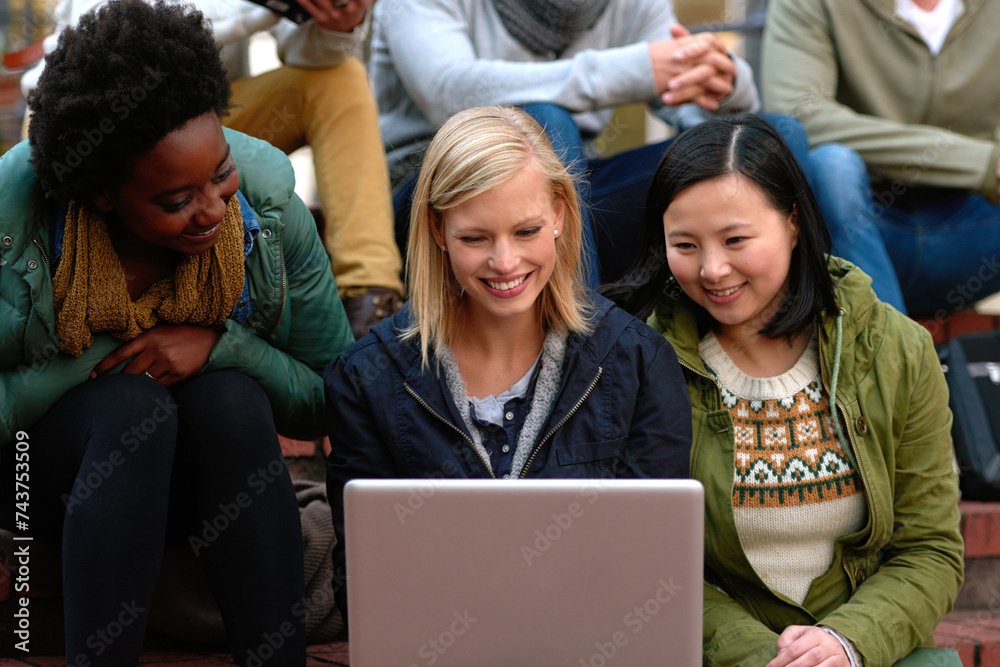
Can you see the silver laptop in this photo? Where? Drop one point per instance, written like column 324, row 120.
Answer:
column 589, row 573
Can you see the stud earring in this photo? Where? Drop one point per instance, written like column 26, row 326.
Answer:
column 556, row 232
column 443, row 249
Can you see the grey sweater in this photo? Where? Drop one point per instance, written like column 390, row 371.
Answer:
column 433, row 58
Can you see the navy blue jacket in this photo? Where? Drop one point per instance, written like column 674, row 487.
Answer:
column 622, row 410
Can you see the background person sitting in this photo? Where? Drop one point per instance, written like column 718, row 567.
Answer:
column 320, row 97
column 569, row 63
column 900, row 103
column 167, row 309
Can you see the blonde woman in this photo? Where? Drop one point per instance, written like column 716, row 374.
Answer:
column 502, row 364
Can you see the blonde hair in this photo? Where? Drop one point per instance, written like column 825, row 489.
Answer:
column 475, row 151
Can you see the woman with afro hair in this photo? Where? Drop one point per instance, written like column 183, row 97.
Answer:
column 166, row 307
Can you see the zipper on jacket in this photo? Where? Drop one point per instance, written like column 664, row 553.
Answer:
column 868, row 495
column 718, row 392
column 838, row 411
column 45, row 255
column 531, row 459
column 284, row 282
column 465, row 437
column 931, row 90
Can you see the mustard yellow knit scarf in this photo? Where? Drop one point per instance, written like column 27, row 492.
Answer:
column 91, row 295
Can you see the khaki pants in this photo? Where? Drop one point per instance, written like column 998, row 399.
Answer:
column 332, row 111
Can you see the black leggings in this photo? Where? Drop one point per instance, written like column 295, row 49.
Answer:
column 101, row 483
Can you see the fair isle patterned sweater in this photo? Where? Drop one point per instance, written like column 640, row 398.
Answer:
column 795, row 491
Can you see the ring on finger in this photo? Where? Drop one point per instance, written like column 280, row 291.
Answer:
column 152, row 377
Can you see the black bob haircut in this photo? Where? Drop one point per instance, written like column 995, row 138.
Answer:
column 749, row 146
column 115, row 85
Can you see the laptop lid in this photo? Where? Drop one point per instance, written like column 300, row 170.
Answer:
column 532, row 572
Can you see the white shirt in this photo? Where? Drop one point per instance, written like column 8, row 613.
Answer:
column 932, row 26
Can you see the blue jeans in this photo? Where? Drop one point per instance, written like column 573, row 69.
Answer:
column 612, row 190
column 928, row 250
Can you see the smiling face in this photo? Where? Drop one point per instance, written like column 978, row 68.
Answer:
column 502, row 244
column 730, row 251
column 179, row 190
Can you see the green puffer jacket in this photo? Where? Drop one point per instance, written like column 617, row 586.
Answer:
column 297, row 326
column 889, row 584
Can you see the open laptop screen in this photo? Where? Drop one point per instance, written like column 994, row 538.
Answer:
column 528, row 572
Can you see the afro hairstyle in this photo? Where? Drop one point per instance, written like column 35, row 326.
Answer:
column 125, row 77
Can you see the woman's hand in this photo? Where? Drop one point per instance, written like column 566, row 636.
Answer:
column 809, row 646
column 168, row 353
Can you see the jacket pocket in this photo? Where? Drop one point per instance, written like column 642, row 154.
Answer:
column 590, row 452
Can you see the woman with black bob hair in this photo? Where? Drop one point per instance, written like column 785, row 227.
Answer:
column 163, row 317
column 821, row 428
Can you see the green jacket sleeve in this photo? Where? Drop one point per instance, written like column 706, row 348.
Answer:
column 800, row 78
column 731, row 636
column 288, row 363
column 922, row 570
column 28, row 390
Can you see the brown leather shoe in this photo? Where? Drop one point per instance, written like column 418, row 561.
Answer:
column 370, row 305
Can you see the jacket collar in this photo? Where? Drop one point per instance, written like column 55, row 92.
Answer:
column 22, row 206
column 583, row 355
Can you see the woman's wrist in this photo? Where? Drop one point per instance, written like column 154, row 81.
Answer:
column 857, row 660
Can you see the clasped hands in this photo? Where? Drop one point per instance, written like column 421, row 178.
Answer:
column 692, row 68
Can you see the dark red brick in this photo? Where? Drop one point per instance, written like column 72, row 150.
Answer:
column 969, row 321
column 981, row 528
column 938, row 329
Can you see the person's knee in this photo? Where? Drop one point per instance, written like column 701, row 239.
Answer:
column 222, row 394
column 549, row 114
column 227, row 410
column 557, row 122
column 343, row 87
column 838, row 163
column 144, row 409
column 789, row 127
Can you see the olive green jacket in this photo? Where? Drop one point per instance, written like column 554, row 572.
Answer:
column 889, row 584
column 855, row 74
column 298, row 324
